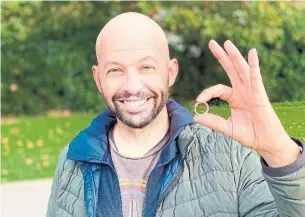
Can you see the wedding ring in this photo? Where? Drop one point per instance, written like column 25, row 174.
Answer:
column 206, row 105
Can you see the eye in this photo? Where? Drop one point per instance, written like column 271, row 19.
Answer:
column 147, row 67
column 114, row 71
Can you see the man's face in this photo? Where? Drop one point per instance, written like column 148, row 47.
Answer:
column 135, row 85
column 134, row 72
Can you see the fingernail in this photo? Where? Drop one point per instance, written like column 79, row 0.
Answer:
column 228, row 42
column 253, row 51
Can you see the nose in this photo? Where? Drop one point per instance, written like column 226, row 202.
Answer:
column 133, row 82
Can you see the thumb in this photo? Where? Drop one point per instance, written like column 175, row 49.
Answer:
column 215, row 122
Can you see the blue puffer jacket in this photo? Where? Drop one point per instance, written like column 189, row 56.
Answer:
column 96, row 151
column 200, row 173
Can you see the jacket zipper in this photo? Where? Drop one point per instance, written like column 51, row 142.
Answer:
column 169, row 188
column 96, row 190
column 172, row 185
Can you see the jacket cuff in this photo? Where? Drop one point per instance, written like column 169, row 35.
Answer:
column 290, row 168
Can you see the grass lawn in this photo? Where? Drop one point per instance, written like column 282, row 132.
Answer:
column 30, row 145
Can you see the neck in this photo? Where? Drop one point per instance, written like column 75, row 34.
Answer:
column 132, row 142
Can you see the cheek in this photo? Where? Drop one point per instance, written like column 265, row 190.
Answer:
column 109, row 88
column 156, row 83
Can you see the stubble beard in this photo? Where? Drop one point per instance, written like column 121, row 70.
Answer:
column 146, row 118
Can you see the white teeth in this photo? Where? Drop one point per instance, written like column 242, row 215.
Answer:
column 135, row 103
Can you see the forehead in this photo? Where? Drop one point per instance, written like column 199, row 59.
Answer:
column 129, row 47
column 130, row 56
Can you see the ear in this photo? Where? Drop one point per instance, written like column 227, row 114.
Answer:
column 96, row 76
column 173, row 69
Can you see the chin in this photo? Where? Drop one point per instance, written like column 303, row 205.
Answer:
column 137, row 122
column 141, row 117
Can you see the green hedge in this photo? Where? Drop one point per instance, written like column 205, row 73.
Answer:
column 48, row 48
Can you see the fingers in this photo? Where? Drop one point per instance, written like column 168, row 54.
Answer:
column 219, row 90
column 257, row 86
column 254, row 67
column 225, row 62
column 216, row 123
column 238, row 61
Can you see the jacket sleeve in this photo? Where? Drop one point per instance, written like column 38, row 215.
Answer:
column 55, row 184
column 268, row 192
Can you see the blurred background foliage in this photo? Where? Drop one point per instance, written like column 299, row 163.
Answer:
column 48, row 48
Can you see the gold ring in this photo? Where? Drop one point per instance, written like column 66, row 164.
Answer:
column 207, row 105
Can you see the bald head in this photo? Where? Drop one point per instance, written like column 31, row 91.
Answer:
column 134, row 71
column 128, row 32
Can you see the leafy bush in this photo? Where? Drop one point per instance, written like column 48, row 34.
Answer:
column 48, row 48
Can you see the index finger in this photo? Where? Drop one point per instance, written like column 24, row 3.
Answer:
column 225, row 62
column 238, row 60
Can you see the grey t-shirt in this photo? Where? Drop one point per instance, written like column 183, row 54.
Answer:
column 133, row 174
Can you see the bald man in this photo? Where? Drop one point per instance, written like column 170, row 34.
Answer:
column 147, row 156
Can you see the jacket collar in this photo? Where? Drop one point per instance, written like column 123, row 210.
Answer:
column 91, row 144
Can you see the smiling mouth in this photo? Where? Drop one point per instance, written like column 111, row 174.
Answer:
column 134, row 103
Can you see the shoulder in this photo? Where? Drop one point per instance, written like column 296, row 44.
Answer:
column 66, row 167
column 214, row 153
column 67, row 195
column 211, row 142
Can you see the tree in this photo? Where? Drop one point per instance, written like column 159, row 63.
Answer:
column 48, row 48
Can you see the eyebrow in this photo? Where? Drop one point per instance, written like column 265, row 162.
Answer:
column 109, row 62
column 147, row 58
